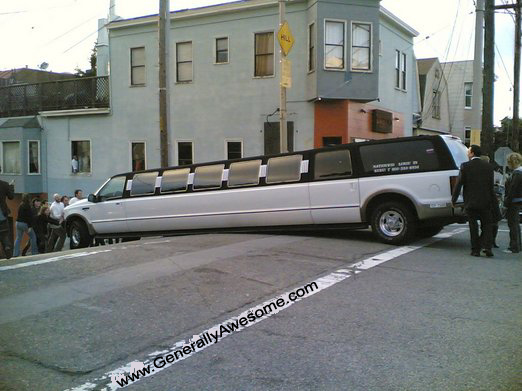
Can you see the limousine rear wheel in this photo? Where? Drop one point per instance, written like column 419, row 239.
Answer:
column 79, row 235
column 393, row 223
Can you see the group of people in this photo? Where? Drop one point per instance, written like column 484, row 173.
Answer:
column 41, row 222
column 476, row 178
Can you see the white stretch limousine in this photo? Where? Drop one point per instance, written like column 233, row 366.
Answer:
column 401, row 187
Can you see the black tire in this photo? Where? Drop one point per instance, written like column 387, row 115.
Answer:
column 428, row 232
column 393, row 223
column 79, row 235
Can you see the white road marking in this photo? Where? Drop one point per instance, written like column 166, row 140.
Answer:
column 53, row 259
column 107, row 380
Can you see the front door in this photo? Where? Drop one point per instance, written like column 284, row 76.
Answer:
column 108, row 213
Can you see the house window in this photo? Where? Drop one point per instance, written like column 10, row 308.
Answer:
column 264, row 54
column 397, row 69
column 81, row 156
column 332, row 140
column 221, row 51
column 185, row 153
column 468, row 93
column 138, row 156
column 361, row 46
column 403, row 71
column 467, row 135
column 183, row 62
column 334, row 45
column 436, row 104
column 34, row 157
column 10, row 157
column 234, row 149
column 311, row 47
column 138, row 66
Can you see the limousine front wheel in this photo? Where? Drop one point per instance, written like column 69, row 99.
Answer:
column 79, row 235
column 393, row 223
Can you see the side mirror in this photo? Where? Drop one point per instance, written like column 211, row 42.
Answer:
column 91, row 198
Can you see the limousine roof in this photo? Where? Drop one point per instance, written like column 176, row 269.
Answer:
column 305, row 151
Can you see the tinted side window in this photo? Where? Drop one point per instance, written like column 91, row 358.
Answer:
column 400, row 157
column 144, row 183
column 332, row 164
column 284, row 169
column 244, row 173
column 112, row 189
column 208, row 177
column 175, row 180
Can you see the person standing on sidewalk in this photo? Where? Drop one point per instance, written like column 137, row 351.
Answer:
column 6, row 191
column 476, row 178
column 57, row 234
column 513, row 202
column 24, row 224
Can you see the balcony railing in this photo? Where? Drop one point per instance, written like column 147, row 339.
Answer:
column 29, row 99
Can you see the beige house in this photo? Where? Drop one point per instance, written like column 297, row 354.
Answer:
column 434, row 117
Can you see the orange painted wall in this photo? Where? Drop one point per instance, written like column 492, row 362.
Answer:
column 330, row 120
column 343, row 118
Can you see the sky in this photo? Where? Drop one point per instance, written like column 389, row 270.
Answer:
column 62, row 33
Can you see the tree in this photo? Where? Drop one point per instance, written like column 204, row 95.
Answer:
column 92, row 61
column 503, row 136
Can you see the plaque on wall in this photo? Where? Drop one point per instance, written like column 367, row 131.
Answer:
column 382, row 121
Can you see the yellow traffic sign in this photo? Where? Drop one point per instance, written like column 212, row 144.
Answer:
column 475, row 137
column 285, row 38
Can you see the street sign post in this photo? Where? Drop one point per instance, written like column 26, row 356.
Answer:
column 501, row 155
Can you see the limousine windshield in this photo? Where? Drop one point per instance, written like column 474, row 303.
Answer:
column 398, row 187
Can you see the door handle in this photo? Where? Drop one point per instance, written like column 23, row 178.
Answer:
column 87, row 208
column 118, row 203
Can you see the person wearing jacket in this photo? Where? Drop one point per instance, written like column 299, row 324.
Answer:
column 6, row 191
column 24, row 223
column 476, row 181
column 41, row 227
column 513, row 202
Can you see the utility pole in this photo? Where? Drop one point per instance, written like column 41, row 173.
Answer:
column 486, row 136
column 476, row 102
column 162, row 30
column 282, row 99
column 516, row 88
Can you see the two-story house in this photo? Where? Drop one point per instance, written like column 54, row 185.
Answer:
column 353, row 78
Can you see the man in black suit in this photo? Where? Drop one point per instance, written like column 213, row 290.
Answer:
column 476, row 177
column 6, row 191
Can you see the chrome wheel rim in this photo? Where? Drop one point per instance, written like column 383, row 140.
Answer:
column 75, row 236
column 391, row 223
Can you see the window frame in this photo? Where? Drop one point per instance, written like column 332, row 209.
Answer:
column 125, row 182
column 397, row 69
column 215, row 52
column 404, row 70
column 370, row 48
column 90, row 158
column 132, row 84
column 467, row 140
column 233, row 140
column 332, row 178
column 184, row 62
column 470, row 96
column 436, row 97
column 260, row 161
column 2, row 171
column 265, row 54
column 177, row 151
column 282, row 157
column 29, row 158
column 326, row 20
column 144, row 154
column 183, row 168
column 194, row 188
column 312, row 50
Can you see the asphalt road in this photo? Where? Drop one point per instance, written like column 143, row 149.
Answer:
column 422, row 317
